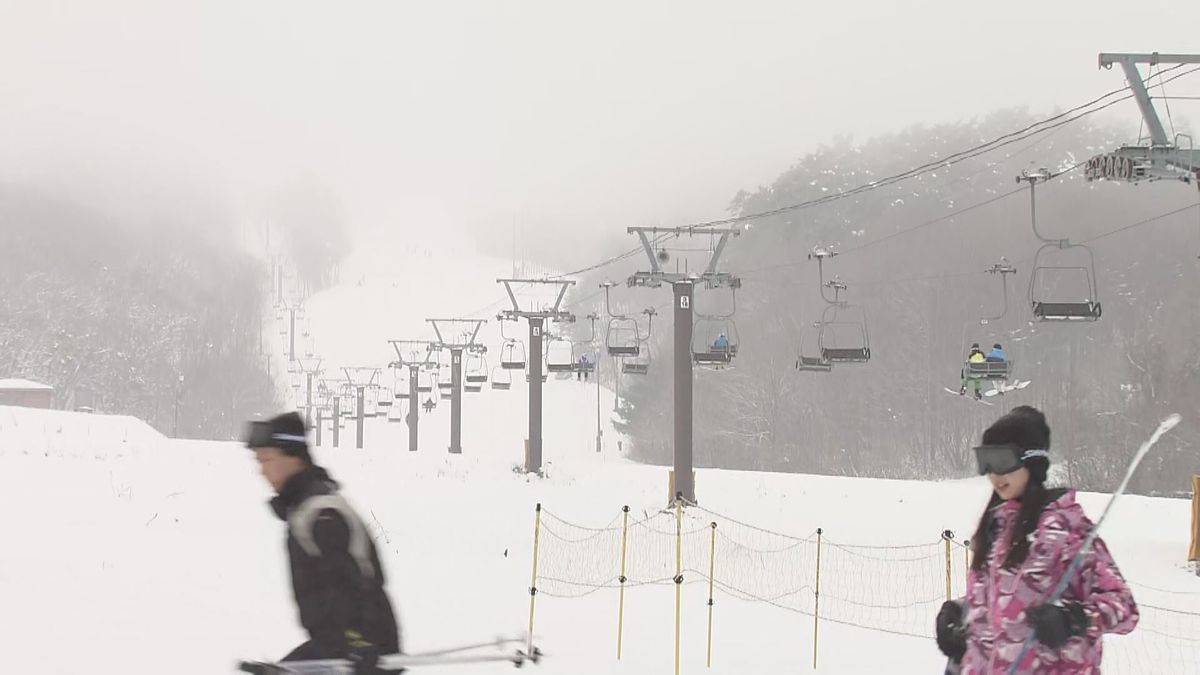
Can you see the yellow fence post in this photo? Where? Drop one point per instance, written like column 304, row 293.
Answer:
column 817, row 598
column 947, row 535
column 678, row 572
column 622, row 579
column 1194, row 551
column 966, row 562
column 537, row 532
column 712, row 563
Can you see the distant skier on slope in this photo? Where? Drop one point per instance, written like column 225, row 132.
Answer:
column 336, row 574
column 1023, row 545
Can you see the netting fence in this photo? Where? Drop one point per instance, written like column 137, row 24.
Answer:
column 888, row 589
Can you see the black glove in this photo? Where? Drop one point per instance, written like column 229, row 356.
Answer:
column 951, row 632
column 1053, row 625
column 363, row 655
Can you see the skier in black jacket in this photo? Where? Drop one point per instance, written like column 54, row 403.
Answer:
column 336, row 575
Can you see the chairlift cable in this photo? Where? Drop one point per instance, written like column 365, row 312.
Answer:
column 983, row 148
column 1030, row 130
column 939, row 219
column 994, row 144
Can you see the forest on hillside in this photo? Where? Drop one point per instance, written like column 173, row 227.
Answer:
column 913, row 257
column 161, row 320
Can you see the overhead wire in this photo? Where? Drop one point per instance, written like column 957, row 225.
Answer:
column 956, row 275
column 1004, row 140
column 991, row 200
column 934, row 221
column 1042, row 126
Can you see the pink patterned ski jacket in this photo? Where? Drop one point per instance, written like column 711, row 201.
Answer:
column 997, row 597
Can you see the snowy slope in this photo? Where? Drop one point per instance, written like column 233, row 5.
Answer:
column 57, row 433
column 132, row 558
column 128, row 549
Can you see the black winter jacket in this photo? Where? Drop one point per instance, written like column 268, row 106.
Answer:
column 336, row 575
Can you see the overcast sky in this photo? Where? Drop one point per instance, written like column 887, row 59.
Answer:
column 570, row 113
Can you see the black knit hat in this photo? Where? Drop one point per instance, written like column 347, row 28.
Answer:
column 1025, row 429
column 286, row 432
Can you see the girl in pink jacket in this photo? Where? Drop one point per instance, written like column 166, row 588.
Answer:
column 1024, row 543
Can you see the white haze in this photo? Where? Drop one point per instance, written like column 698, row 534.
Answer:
column 580, row 117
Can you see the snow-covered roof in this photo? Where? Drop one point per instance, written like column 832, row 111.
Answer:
column 23, row 385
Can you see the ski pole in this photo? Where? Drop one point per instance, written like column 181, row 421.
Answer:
column 386, row 663
column 1077, row 560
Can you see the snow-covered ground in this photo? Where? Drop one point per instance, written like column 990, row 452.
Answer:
column 131, row 553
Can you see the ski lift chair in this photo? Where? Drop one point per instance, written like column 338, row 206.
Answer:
column 512, row 355
column 810, row 360
column 445, row 379
column 813, row 364
column 705, row 352
column 512, row 352
column 402, row 385
column 834, row 350
column 1046, row 307
column 577, row 353
column 623, row 338
column 639, row 365
column 1066, row 311
column 559, row 357
column 445, row 376
column 501, row 379
column 370, row 402
column 425, row 381
column 396, row 414
column 476, row 370
column 989, row 370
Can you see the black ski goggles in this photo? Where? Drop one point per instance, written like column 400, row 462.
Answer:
column 1004, row 459
column 260, row 435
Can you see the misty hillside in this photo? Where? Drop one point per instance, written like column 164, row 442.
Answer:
column 1104, row 385
column 128, row 320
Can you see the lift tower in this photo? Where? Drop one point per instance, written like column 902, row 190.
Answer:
column 456, row 342
column 683, row 284
column 414, row 355
column 536, row 316
column 311, row 368
column 1164, row 157
column 360, row 378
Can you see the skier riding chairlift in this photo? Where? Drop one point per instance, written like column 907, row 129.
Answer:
column 976, row 356
column 997, row 354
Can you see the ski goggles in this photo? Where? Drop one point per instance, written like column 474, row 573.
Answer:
column 1004, row 459
column 260, row 435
